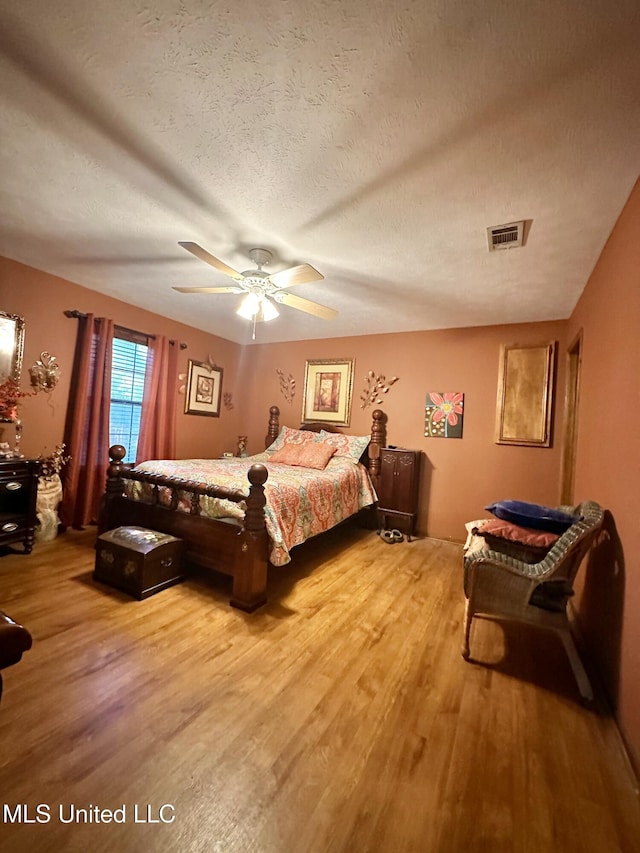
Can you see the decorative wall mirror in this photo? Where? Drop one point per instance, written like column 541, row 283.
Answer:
column 11, row 346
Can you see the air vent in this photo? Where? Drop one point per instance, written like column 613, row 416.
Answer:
column 507, row 236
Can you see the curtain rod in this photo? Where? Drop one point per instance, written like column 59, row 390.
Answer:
column 78, row 315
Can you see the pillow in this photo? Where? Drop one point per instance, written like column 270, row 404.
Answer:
column 515, row 533
column 287, row 435
column 312, row 454
column 535, row 516
column 349, row 446
column 521, row 543
column 474, row 541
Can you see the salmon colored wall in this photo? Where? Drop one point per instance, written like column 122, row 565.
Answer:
column 608, row 464
column 459, row 476
column 41, row 299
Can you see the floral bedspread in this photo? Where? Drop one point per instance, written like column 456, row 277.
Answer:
column 301, row 502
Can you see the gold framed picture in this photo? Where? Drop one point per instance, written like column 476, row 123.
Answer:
column 204, row 389
column 328, row 385
column 525, row 395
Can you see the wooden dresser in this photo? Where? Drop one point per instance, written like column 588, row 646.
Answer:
column 398, row 487
column 18, row 491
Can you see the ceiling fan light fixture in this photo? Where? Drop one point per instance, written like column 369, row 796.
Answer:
column 269, row 310
column 263, row 289
column 255, row 306
column 249, row 306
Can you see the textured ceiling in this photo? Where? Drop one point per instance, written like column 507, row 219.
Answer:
column 374, row 139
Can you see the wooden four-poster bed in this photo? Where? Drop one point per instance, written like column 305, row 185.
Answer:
column 256, row 527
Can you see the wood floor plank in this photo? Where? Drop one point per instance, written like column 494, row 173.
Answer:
column 339, row 717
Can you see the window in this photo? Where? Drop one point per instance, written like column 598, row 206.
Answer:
column 127, row 388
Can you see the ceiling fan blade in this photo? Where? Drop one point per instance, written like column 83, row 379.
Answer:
column 201, row 253
column 296, row 275
column 229, row 289
column 306, row 305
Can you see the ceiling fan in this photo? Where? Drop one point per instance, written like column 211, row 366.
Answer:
column 262, row 290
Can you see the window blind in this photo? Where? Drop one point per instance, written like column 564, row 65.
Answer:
column 128, row 370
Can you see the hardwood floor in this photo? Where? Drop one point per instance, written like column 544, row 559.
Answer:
column 340, row 717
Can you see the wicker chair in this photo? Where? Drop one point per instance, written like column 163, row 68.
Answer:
column 498, row 586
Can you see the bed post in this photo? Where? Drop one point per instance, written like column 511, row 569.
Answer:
column 250, row 572
column 378, row 441
column 114, row 487
column 274, row 426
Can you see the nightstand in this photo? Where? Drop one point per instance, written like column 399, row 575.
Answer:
column 398, row 488
column 18, row 490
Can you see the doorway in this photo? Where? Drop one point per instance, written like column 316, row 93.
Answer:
column 571, row 400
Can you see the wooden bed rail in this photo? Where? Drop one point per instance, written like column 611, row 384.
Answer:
column 240, row 550
column 118, row 472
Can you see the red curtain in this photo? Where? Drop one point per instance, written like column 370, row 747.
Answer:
column 157, row 439
column 87, row 427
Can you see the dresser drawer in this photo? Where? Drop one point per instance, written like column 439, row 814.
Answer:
column 18, row 491
column 13, row 483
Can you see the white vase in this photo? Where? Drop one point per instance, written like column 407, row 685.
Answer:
column 47, row 501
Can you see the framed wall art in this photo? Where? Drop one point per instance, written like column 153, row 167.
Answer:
column 204, row 389
column 525, row 395
column 328, row 385
column 444, row 411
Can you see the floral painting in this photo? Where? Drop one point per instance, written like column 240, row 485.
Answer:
column 443, row 414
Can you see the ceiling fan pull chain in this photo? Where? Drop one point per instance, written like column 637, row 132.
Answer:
column 253, row 333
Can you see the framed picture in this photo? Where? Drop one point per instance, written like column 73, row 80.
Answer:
column 327, row 392
column 525, row 395
column 444, row 411
column 204, row 389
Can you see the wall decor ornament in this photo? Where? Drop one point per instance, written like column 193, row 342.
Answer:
column 287, row 385
column 374, row 388
column 328, row 384
column 45, row 373
column 227, row 399
column 443, row 414
column 210, row 363
column 204, row 389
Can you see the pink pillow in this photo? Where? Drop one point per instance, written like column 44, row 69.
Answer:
column 287, row 435
column 515, row 533
column 309, row 455
column 349, row 446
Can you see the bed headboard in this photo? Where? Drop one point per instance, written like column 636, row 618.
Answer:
column 371, row 456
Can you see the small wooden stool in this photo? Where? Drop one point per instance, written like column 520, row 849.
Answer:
column 139, row 561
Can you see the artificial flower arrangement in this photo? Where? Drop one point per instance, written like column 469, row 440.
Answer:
column 10, row 394
column 53, row 464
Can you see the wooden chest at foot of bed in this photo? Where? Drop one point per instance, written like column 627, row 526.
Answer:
column 139, row 561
